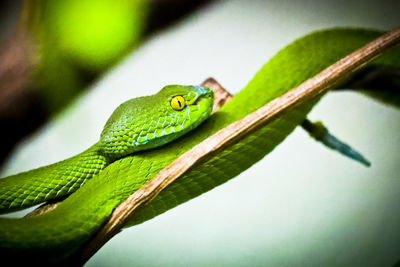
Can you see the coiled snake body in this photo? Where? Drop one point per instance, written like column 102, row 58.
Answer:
column 116, row 172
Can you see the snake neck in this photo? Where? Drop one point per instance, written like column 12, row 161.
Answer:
column 50, row 182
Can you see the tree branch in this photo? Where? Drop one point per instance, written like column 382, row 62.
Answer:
column 310, row 89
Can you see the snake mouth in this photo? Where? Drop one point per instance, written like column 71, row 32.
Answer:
column 206, row 96
column 202, row 93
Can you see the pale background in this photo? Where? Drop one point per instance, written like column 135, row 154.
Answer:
column 303, row 205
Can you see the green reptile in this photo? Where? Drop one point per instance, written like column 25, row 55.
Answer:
column 123, row 160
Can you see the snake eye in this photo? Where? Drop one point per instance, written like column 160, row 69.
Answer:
column 178, row 102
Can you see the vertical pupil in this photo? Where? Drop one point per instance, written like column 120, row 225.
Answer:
column 179, row 102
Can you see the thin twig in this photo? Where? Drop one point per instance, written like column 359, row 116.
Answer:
column 311, row 88
column 221, row 95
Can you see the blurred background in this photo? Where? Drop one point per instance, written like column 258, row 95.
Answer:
column 66, row 65
column 52, row 50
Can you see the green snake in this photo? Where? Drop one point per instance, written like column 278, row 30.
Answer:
column 133, row 148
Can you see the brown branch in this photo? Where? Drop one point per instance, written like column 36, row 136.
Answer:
column 221, row 95
column 44, row 208
column 311, row 88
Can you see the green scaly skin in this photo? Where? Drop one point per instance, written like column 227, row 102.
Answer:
column 50, row 182
column 57, row 234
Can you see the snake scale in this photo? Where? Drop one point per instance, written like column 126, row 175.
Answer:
column 113, row 169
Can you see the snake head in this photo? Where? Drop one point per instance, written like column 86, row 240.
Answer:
column 151, row 121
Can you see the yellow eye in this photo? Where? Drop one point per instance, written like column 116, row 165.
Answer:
column 178, row 102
